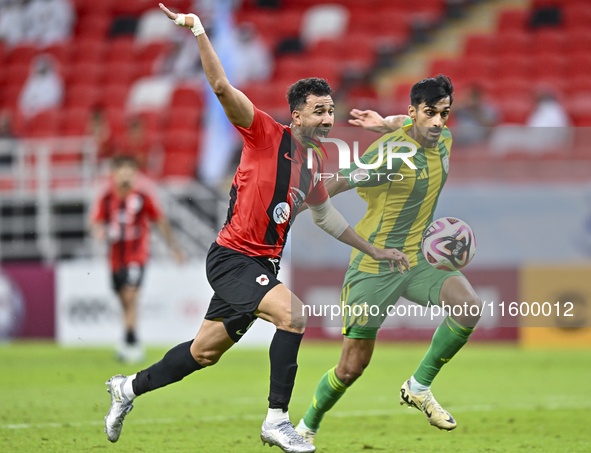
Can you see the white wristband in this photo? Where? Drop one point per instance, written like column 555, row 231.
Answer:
column 197, row 28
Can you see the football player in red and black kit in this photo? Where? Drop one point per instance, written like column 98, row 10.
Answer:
column 271, row 182
column 121, row 216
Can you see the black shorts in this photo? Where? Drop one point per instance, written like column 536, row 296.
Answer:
column 131, row 275
column 240, row 282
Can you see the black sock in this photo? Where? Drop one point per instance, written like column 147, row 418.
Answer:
column 175, row 365
column 130, row 337
column 283, row 355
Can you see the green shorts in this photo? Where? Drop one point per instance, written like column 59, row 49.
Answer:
column 365, row 298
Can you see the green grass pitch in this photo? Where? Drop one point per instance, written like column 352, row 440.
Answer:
column 505, row 399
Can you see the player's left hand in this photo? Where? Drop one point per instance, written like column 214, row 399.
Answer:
column 393, row 256
column 368, row 119
column 174, row 16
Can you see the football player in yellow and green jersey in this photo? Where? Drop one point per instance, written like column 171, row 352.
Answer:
column 401, row 195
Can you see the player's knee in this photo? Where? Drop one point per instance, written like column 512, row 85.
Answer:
column 206, row 358
column 292, row 319
column 351, row 372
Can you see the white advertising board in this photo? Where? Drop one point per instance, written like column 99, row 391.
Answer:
column 173, row 302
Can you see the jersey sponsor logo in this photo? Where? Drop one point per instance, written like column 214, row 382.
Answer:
column 316, row 178
column 134, row 203
column 262, row 280
column 286, row 155
column 281, row 212
column 361, row 174
column 423, row 174
column 445, row 162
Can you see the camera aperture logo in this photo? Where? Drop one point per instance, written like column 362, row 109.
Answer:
column 362, row 173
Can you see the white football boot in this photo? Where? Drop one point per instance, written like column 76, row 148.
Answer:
column 285, row 437
column 120, row 407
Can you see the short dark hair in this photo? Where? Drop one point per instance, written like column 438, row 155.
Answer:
column 299, row 91
column 431, row 91
column 120, row 161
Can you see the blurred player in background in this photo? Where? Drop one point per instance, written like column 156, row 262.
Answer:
column 399, row 209
column 271, row 183
column 122, row 217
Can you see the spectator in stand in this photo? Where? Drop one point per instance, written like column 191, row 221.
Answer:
column 136, row 145
column 52, row 21
column 253, row 59
column 548, row 112
column 8, row 142
column 12, row 30
column 98, row 128
column 474, row 119
column 547, row 130
column 44, row 89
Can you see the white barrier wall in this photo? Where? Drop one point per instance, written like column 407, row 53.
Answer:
column 173, row 302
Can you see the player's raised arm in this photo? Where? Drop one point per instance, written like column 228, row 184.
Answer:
column 373, row 121
column 237, row 106
column 330, row 220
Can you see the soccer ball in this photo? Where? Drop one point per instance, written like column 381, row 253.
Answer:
column 448, row 244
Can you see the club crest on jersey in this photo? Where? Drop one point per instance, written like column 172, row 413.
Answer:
column 262, row 280
column 134, row 203
column 445, row 162
column 316, row 178
column 281, row 213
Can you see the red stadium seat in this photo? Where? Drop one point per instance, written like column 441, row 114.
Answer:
column 83, row 96
column 577, row 41
column 512, row 44
column 115, row 96
column 121, row 49
column 513, row 86
column 152, row 50
column 44, row 124
column 513, row 66
column 445, row 66
column 549, row 67
column 75, row 121
column 579, row 65
column 89, row 50
column 578, row 84
column 184, row 118
column 181, row 154
column 187, row 97
column 180, row 163
column 21, row 54
column 513, row 20
column 578, row 106
column 61, row 52
column 16, row 74
column 117, row 119
column 549, row 42
column 475, row 68
column 93, row 26
column 514, row 108
column 577, row 16
column 120, row 73
column 479, row 45
column 10, row 95
column 86, row 72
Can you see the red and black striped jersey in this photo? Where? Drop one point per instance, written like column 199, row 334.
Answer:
column 271, row 183
column 127, row 221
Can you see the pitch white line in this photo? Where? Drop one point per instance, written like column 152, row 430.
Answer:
column 338, row 414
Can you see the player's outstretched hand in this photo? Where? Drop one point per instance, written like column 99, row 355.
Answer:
column 370, row 120
column 184, row 20
column 393, row 256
